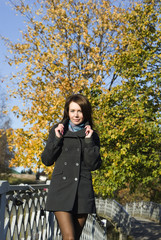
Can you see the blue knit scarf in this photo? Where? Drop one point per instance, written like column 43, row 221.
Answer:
column 74, row 128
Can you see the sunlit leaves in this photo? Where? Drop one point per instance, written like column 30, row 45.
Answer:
column 130, row 137
column 63, row 51
column 76, row 46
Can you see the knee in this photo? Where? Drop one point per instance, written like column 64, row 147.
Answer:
column 68, row 237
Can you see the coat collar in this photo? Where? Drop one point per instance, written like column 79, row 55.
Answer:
column 67, row 133
column 80, row 134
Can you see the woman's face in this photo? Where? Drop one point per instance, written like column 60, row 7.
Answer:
column 75, row 113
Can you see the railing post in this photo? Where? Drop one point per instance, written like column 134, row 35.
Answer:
column 122, row 236
column 4, row 187
column 93, row 228
column 112, row 208
column 141, row 209
column 133, row 209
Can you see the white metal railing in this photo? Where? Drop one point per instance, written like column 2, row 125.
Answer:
column 145, row 210
column 114, row 212
column 22, row 215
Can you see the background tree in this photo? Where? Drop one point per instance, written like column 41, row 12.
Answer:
column 131, row 141
column 73, row 46
column 130, row 113
column 5, row 154
column 65, row 50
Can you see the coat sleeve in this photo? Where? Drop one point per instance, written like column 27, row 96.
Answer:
column 92, row 158
column 52, row 148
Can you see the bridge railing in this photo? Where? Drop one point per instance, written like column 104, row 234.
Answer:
column 114, row 212
column 22, row 215
column 145, row 210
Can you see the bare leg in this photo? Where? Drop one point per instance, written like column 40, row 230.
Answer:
column 65, row 221
column 79, row 222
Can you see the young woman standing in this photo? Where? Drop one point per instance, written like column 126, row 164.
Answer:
column 75, row 148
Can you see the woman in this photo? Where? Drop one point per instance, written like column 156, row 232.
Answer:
column 74, row 147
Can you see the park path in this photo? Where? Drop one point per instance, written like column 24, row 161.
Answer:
column 142, row 229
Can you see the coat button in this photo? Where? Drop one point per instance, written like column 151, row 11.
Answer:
column 65, row 163
column 76, row 179
column 77, row 164
column 77, row 149
column 64, row 178
column 66, row 149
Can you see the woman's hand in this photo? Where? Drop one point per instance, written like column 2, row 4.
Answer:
column 59, row 130
column 88, row 131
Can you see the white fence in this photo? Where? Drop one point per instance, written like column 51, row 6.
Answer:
column 114, row 212
column 145, row 210
column 22, row 215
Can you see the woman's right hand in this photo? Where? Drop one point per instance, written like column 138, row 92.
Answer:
column 59, row 130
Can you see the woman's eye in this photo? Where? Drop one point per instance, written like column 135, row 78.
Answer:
column 79, row 111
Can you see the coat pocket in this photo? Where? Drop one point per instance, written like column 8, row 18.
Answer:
column 85, row 186
column 57, row 172
column 86, row 175
column 56, row 176
column 56, row 179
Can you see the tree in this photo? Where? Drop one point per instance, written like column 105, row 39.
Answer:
column 73, row 46
column 138, row 39
column 5, row 154
column 131, row 141
column 64, row 50
column 131, row 112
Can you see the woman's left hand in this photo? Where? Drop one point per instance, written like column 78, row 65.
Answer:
column 88, row 131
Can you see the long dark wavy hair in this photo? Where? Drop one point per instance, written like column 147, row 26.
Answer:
column 84, row 104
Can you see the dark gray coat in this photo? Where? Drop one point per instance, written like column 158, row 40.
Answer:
column 75, row 157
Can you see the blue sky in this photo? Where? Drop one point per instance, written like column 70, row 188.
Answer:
column 10, row 26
